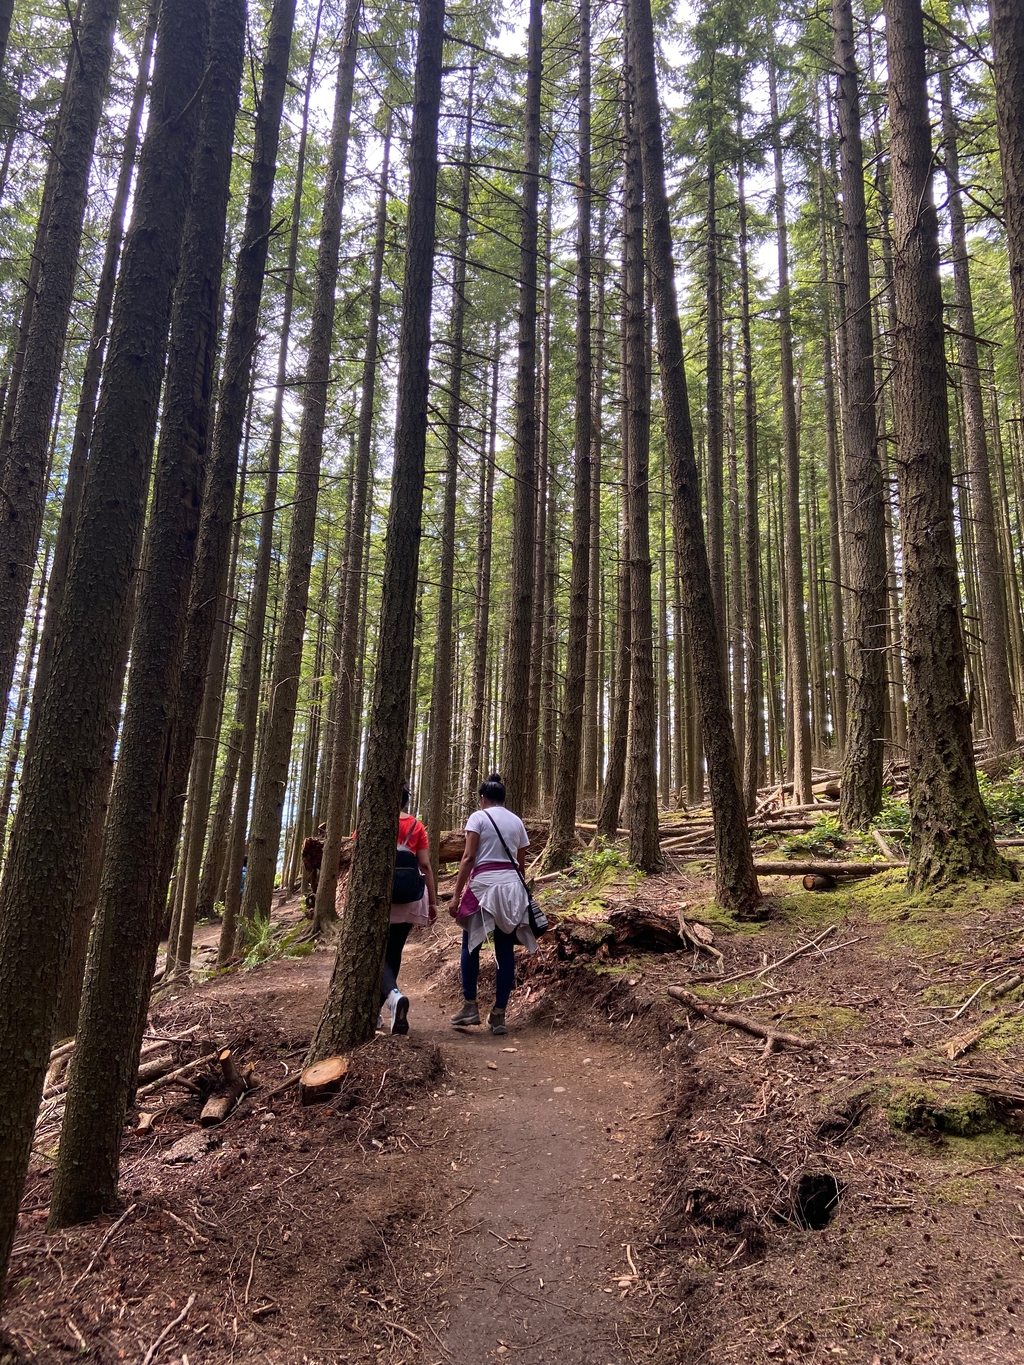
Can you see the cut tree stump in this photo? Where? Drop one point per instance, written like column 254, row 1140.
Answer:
column 322, row 1080
column 819, row 881
column 218, row 1107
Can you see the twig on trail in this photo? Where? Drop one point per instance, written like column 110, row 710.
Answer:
column 103, row 1242
column 252, row 1267
column 399, row 1328
column 148, row 1357
column 295, row 1174
column 773, row 966
column 772, row 1038
column 468, row 1195
column 971, row 999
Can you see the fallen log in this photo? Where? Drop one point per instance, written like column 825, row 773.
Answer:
column 824, row 869
column 773, row 1038
column 179, row 1075
column 218, row 1107
column 819, row 881
column 322, row 1080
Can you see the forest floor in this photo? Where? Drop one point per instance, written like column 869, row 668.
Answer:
column 615, row 1181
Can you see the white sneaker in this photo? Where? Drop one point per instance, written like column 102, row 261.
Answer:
column 398, row 1007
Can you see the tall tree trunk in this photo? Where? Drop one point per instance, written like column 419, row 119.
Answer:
column 516, row 710
column 615, row 775
column 641, row 763
column 562, row 839
column 124, row 942
column 951, row 833
column 24, row 455
column 735, row 879
column 592, row 708
column 37, row 895
column 353, row 1001
column 714, row 489
column 753, row 730
column 347, row 696
column 543, row 610
column 1007, row 26
column 21, row 707
column 74, row 484
column 6, row 15
column 863, row 495
column 438, row 769
column 272, row 772
column 251, row 667
column 796, row 632
column 991, row 595
column 482, row 610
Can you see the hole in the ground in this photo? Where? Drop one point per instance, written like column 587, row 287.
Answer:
column 816, row 1200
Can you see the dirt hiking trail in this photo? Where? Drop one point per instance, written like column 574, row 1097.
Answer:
column 552, row 1196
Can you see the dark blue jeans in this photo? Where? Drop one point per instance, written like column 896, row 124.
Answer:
column 504, row 951
column 397, row 934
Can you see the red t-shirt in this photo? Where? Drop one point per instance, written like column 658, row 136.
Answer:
column 411, row 833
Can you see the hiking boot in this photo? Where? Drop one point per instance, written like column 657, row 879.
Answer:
column 469, row 1014
column 496, row 1021
column 398, row 1004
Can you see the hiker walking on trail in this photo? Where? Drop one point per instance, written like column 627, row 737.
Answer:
column 413, row 905
column 491, row 898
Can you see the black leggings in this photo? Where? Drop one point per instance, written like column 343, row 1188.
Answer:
column 397, row 934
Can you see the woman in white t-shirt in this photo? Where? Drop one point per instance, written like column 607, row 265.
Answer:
column 490, row 898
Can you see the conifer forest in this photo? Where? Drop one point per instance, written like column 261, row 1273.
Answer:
column 625, row 397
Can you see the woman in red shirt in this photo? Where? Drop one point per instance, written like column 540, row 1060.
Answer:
column 413, row 904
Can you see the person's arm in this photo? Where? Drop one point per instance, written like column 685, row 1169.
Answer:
column 522, row 859
column 465, row 869
column 423, row 858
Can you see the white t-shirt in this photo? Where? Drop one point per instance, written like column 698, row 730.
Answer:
column 513, row 831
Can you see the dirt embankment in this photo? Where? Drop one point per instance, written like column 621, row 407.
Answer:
column 617, row 1180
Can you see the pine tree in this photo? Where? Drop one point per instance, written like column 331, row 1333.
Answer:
column 123, row 947
column 951, row 833
column 735, row 880
column 23, row 456
column 37, row 895
column 353, row 1001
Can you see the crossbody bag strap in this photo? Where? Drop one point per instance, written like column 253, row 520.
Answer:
column 513, row 861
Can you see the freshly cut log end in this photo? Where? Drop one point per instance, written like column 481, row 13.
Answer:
column 819, row 881
column 322, row 1080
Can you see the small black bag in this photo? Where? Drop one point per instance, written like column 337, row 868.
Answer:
column 538, row 920
column 409, row 883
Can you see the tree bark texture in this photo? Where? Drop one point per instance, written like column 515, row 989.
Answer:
column 991, row 594
column 37, row 894
column 347, row 696
column 438, row 767
column 74, row 484
column 145, row 796
column 951, row 833
column 562, row 840
column 251, row 668
column 350, row 1012
column 753, row 729
column 482, row 609
column 24, row 457
column 863, row 495
column 735, row 880
column 516, row 710
column 272, row 770
column 797, row 700
column 641, row 762
column 1006, row 18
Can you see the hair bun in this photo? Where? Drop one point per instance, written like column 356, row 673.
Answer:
column 494, row 777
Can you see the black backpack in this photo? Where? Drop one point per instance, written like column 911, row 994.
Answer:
column 409, row 883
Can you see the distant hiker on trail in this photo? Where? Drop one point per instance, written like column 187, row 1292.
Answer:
column 413, row 904
column 495, row 901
